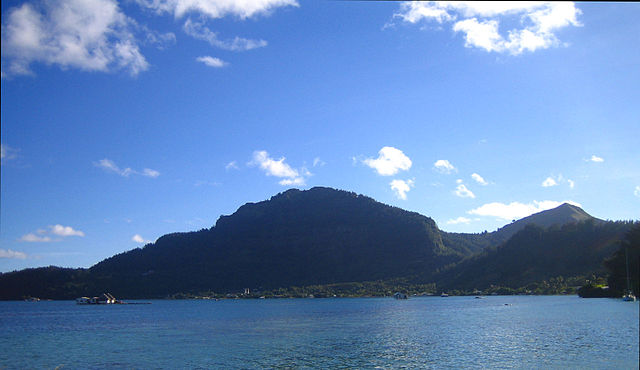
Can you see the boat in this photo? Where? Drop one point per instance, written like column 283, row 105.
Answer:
column 105, row 298
column 444, row 294
column 399, row 295
column 628, row 295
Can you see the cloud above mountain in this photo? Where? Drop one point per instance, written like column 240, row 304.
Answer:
column 482, row 23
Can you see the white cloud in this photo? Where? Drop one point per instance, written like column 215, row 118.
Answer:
column 297, row 181
column 91, row 35
column 8, row 253
column 65, row 231
column 557, row 180
column 636, row 191
column 216, row 8
column 463, row 192
column 207, row 183
column 33, row 238
column 45, row 235
column 318, row 162
column 139, row 239
column 212, row 62
column 7, row 152
column 390, row 160
column 516, row 210
column 595, row 158
column 480, row 22
column 444, row 166
column 549, row 182
column 479, row 179
column 278, row 168
column 459, row 220
column 483, row 34
column 150, row 173
column 110, row 166
column 201, row 32
column 401, row 188
column 233, row 165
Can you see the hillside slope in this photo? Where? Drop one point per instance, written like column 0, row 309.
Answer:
column 317, row 236
column 326, row 236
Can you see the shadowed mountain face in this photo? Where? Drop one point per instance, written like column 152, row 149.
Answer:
column 324, row 236
column 564, row 214
column 474, row 243
column 316, row 236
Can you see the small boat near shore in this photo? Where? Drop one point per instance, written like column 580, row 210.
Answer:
column 104, row 298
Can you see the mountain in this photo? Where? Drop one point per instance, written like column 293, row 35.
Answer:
column 328, row 236
column 535, row 254
column 317, row 236
column 561, row 215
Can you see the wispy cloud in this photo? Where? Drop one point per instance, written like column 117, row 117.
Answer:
column 479, row 179
column 278, row 168
column 7, row 153
column 516, row 210
column 212, row 62
column 199, row 31
column 110, row 166
column 444, row 166
column 401, row 187
column 557, row 180
column 459, row 220
column 462, row 192
column 8, row 253
column 636, row 191
column 216, row 8
column 88, row 35
column 479, row 22
column 390, row 160
column 33, row 238
column 233, row 165
column 318, row 162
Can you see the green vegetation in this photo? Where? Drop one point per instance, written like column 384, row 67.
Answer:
column 535, row 254
column 628, row 252
column 325, row 242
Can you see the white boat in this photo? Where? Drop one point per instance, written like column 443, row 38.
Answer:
column 444, row 294
column 105, row 298
column 628, row 296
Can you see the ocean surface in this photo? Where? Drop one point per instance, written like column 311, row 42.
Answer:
column 422, row 332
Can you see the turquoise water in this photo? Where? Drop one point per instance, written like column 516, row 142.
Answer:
column 454, row 332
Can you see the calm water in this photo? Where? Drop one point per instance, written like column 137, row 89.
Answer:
column 454, row 332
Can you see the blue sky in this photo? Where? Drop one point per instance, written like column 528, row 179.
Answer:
column 124, row 121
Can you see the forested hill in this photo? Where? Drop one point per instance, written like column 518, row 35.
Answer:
column 316, row 236
column 562, row 215
column 297, row 237
column 534, row 254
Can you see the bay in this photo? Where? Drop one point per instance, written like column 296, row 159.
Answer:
column 421, row 332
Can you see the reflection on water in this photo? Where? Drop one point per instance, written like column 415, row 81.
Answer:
column 530, row 332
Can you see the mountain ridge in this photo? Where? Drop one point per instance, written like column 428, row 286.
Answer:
column 297, row 237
